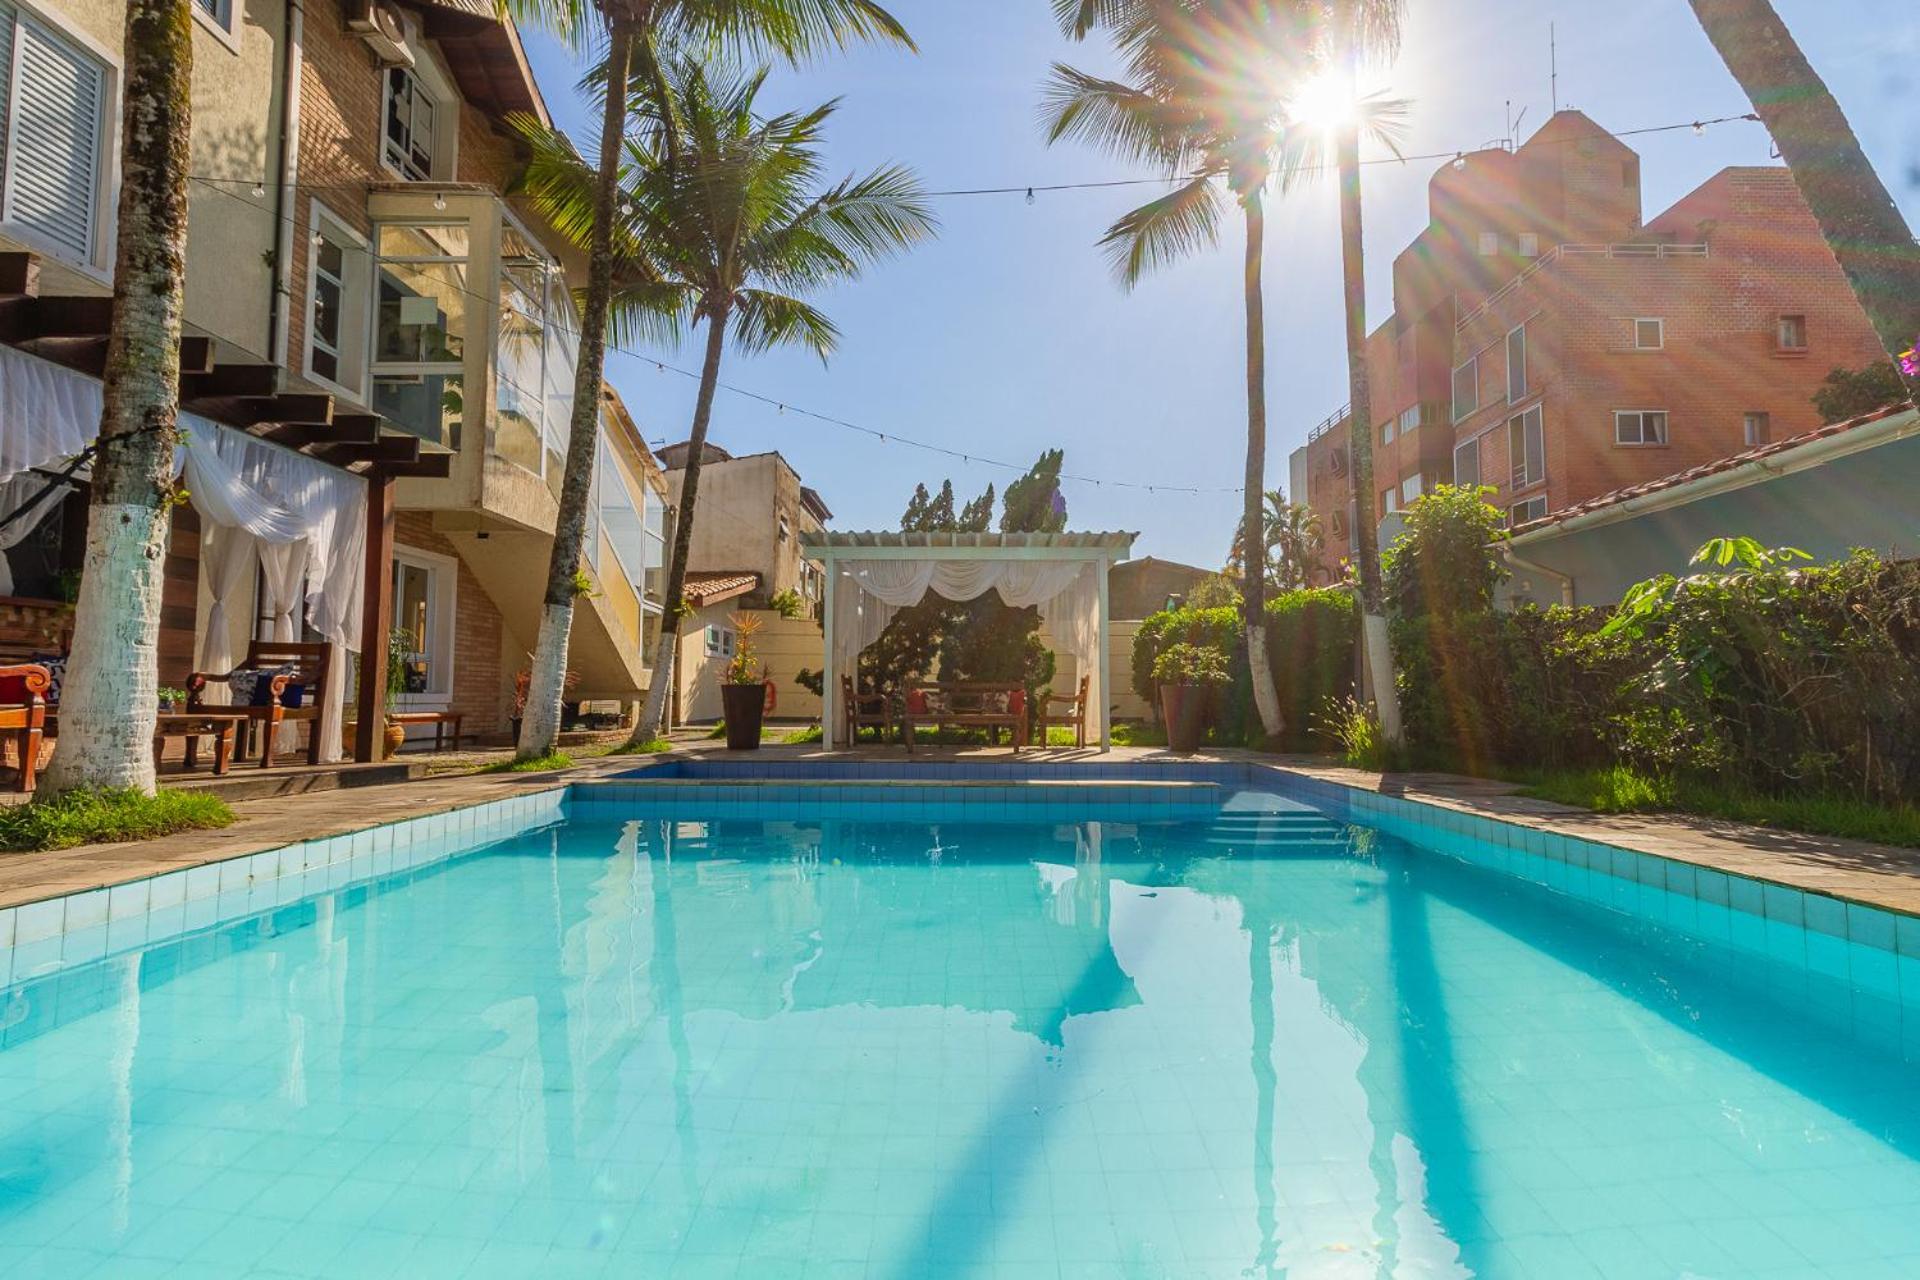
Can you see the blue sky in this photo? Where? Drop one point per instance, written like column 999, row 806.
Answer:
column 1007, row 335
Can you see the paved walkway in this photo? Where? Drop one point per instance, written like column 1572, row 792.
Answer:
column 1876, row 874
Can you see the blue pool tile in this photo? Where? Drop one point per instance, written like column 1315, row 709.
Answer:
column 1784, row 904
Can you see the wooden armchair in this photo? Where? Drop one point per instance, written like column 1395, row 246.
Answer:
column 23, row 714
column 312, row 665
column 1073, row 716
column 865, row 710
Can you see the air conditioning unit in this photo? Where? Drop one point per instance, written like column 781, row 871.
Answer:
column 1337, row 460
column 386, row 34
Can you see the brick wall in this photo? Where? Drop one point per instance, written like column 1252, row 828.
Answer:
column 480, row 682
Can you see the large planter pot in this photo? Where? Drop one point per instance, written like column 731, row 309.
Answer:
column 1183, row 709
column 745, row 707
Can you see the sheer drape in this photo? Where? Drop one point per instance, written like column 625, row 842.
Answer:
column 227, row 557
column 276, row 497
column 15, row 490
column 1067, row 593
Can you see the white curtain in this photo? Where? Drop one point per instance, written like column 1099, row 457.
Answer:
column 227, row 556
column 1067, row 593
column 278, row 497
column 44, row 493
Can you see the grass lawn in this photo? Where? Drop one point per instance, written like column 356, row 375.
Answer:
column 533, row 764
column 103, row 817
column 1623, row 790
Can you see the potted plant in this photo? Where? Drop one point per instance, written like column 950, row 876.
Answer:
column 172, row 700
column 399, row 654
column 523, row 683
column 1188, row 675
column 745, row 691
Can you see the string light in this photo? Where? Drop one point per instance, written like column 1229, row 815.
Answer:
column 439, row 202
column 1030, row 196
column 1699, row 128
column 259, row 191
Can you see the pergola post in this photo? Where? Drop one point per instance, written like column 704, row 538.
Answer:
column 376, row 620
column 829, row 670
column 1105, row 710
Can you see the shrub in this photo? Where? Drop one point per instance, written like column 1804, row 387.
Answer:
column 787, row 604
column 1848, row 393
column 1355, row 728
column 97, row 817
column 1191, row 664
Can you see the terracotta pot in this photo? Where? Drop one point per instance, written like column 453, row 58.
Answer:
column 745, row 707
column 396, row 734
column 1184, row 710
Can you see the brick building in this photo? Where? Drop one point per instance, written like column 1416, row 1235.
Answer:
column 1547, row 343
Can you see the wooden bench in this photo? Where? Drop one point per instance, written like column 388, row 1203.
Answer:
column 23, row 715
column 312, row 666
column 976, row 704
column 1074, row 716
column 222, row 724
column 865, row 711
column 441, row 721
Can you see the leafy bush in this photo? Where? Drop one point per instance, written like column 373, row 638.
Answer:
column 1355, row 727
column 1191, row 664
column 1440, row 563
column 1310, row 644
column 98, row 817
column 787, row 604
column 1848, row 393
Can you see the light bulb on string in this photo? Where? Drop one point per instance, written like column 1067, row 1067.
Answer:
column 1030, row 196
column 259, row 191
column 439, row 202
column 1699, row 128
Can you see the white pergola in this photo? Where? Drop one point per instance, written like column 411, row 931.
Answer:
column 872, row 576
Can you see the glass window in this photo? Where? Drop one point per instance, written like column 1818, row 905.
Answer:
column 413, row 615
column 1389, row 498
column 408, row 147
column 1649, row 335
column 1639, row 426
column 719, row 642
column 1529, row 245
column 1527, row 448
column 1466, row 389
column 1386, row 432
column 1489, row 243
column 422, row 313
column 1409, row 419
column 1757, row 429
column 337, row 307
column 1411, row 488
column 1793, row 333
column 1534, row 508
column 420, row 320
column 428, row 405
column 1516, row 364
column 1466, row 465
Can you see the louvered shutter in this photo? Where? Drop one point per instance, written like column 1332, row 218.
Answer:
column 53, row 139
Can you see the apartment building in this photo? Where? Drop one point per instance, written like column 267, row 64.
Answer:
column 752, row 511
column 380, row 353
column 1549, row 344
column 419, row 289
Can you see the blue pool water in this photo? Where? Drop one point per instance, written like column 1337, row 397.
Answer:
column 956, row 1041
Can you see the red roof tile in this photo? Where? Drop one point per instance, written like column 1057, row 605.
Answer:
column 710, row 588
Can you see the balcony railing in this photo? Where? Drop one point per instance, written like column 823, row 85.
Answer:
column 1629, row 249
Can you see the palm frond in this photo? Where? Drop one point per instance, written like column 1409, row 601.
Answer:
column 763, row 319
column 1164, row 230
column 794, row 30
column 1127, row 122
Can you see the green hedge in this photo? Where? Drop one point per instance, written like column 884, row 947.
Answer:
column 1310, row 641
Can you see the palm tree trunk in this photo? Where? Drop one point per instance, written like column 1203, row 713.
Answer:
column 1373, row 622
column 108, row 703
column 1860, row 221
column 1266, row 699
column 540, row 723
column 654, row 716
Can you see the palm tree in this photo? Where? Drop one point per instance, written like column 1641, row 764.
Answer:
column 1207, row 80
column 1294, row 541
column 635, row 31
column 1860, row 221
column 1357, row 31
column 107, row 704
column 730, row 223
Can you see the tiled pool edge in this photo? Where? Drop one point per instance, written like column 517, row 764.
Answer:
column 1743, row 910
column 57, row 932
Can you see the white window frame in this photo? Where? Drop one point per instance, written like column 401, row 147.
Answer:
column 720, row 641
column 1666, row 429
column 1489, row 244
column 1386, row 431
column 1459, row 414
column 1517, row 479
column 1780, row 333
column 438, row 88
column 1754, row 439
column 1479, row 477
column 1660, row 333
column 443, row 576
column 1410, row 489
column 473, row 318
column 1514, row 512
column 222, row 22
column 1529, row 244
column 1515, row 394
column 98, row 264
column 355, row 351
column 1409, row 420
column 1390, row 499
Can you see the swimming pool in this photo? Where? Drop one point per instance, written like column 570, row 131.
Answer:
column 754, row 1022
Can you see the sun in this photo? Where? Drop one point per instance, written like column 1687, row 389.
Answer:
column 1323, row 103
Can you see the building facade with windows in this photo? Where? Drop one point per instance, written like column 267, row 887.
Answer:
column 752, row 511
column 419, row 289
column 1548, row 344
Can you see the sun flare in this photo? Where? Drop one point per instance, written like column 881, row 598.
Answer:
column 1324, row 103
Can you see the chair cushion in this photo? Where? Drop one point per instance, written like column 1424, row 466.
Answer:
column 917, row 702
column 1017, row 702
column 56, row 665
column 253, row 686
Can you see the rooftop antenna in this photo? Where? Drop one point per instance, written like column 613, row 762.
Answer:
column 1553, row 64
